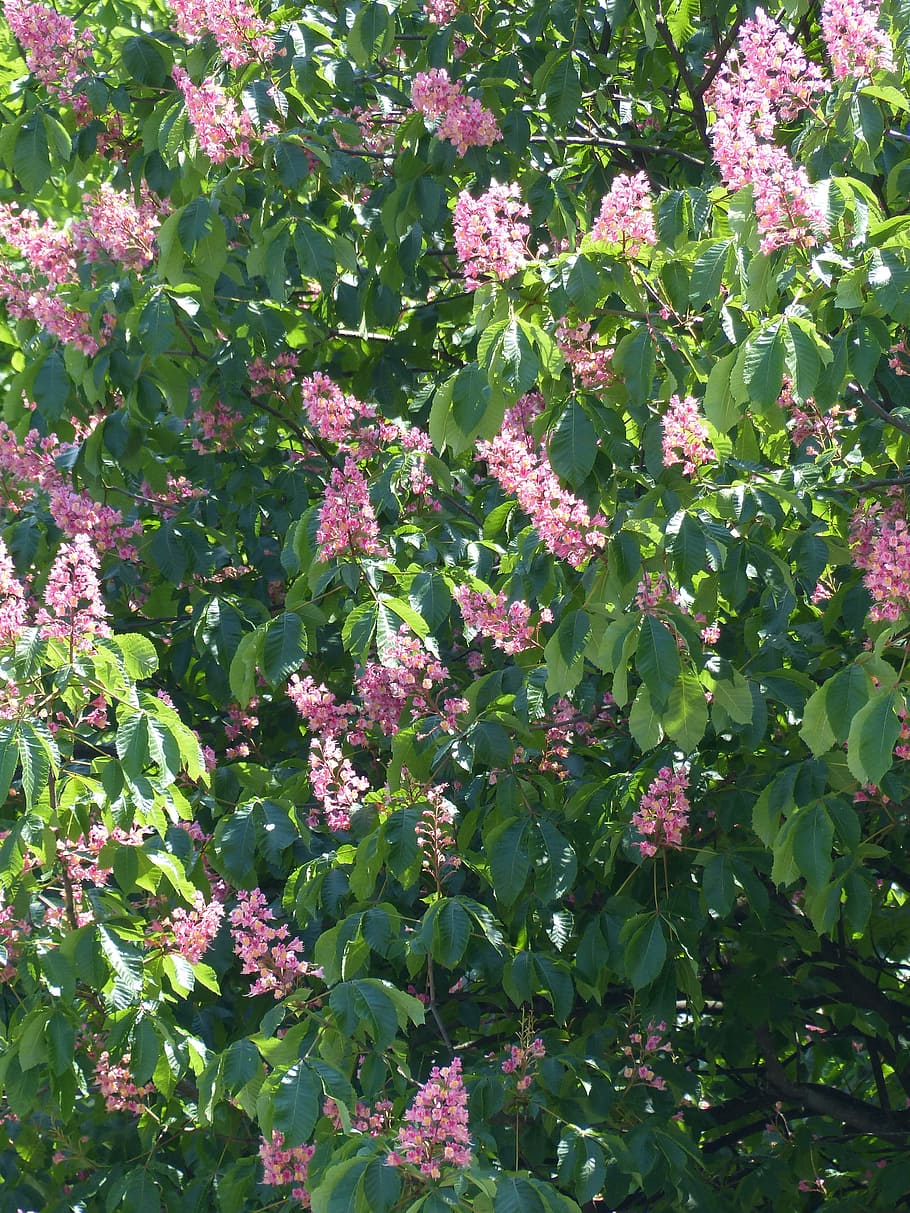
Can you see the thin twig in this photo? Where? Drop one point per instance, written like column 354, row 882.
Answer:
column 879, row 410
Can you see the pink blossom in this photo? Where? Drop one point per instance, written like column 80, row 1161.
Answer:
column 116, row 227
column 462, row 120
column 282, row 1166
column 505, row 623
column 333, row 414
column 267, row 952
column 626, row 215
column 317, row 706
column 335, row 784
column 116, row 1084
column 489, row 237
column 347, row 523
column 435, row 837
column 222, row 130
column 55, row 52
column 881, row 547
column 663, row 812
column 856, row 45
column 13, row 600
column 441, row 12
column 239, row 31
column 436, row 1133
column 195, row 929
column 590, row 362
column 73, row 609
column 685, row 435
column 402, row 682
column 561, row 520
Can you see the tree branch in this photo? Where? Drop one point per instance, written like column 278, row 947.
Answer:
column 879, row 410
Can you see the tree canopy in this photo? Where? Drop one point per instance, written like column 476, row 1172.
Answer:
column 454, row 606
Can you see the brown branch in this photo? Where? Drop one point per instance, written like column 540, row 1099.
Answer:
column 879, row 410
column 699, row 117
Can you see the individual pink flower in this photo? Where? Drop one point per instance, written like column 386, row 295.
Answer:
column 436, row 1133
column 685, row 435
column 222, row 130
column 857, row 46
column 626, row 215
column 489, row 235
column 347, row 523
column 663, row 813
column 73, row 609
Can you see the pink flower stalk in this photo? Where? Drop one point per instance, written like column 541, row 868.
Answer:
column 241, row 34
column 881, row 547
column 347, row 523
column 640, row 1051
column 856, row 45
column 49, row 250
column 505, row 623
column 222, row 130
column 13, row 600
column 462, row 120
column 522, row 1061
column 335, row 784
column 372, row 1122
column 13, row 931
column 435, row 837
column 561, row 520
column 403, row 682
column 73, row 609
column 116, row 1084
column 767, row 79
column 626, row 215
column 116, row 227
column 275, row 377
column 685, row 435
column 436, row 1134
column 266, row 951
column 281, row 1167
column 55, row 52
column 333, row 414
column 217, row 427
column 194, row 930
column 489, row 237
column 809, row 423
column 318, row 708
column 663, row 813
column 591, row 363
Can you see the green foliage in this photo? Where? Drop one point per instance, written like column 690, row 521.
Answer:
column 292, row 824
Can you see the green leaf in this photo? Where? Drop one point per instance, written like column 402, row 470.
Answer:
column 645, row 952
column 762, row 361
column 358, row 629
column 657, row 660
column 284, row 647
column 515, row 1195
column 141, row 1192
column 139, row 655
column 31, row 154
column 9, row 758
column 38, row 755
column 315, row 253
column 816, row 730
column 873, row 733
column 813, row 834
column 132, row 742
column 157, row 328
column 686, row 716
column 431, row 597
column 450, row 931
column 372, row 34
column 242, row 675
column 235, row 846
column 296, row 1104
column 561, row 90
column 555, row 877
column 849, row 692
column 125, row 959
column 573, row 445
column 564, row 653
column 718, row 885
column 733, row 695
column 707, row 274
column 363, row 1008
column 645, row 721
column 144, row 61
column 510, row 862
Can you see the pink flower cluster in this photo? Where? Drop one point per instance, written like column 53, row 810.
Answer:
column 31, row 464
column 116, row 1084
column 217, row 426
column 222, row 130
column 436, row 1133
column 73, row 609
column 640, row 1051
column 591, row 363
column 266, row 951
column 685, row 435
column 626, row 215
column 13, row 600
column 766, row 80
column 489, row 235
column 405, row 679
column 881, row 548
column 116, row 227
column 522, row 1060
column 237, row 28
column 55, row 52
column 663, row 813
column 856, row 45
column 272, row 377
column 332, row 413
column 515, row 459
column 372, row 1122
column 462, row 120
column 441, row 12
column 335, row 784
column 281, row 1167
column 194, row 930
column 506, row 624
column 810, row 423
column 435, row 837
column 12, row 932
column 347, row 523
column 318, row 707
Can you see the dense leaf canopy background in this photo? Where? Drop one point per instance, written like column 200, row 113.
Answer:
column 716, row 1021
